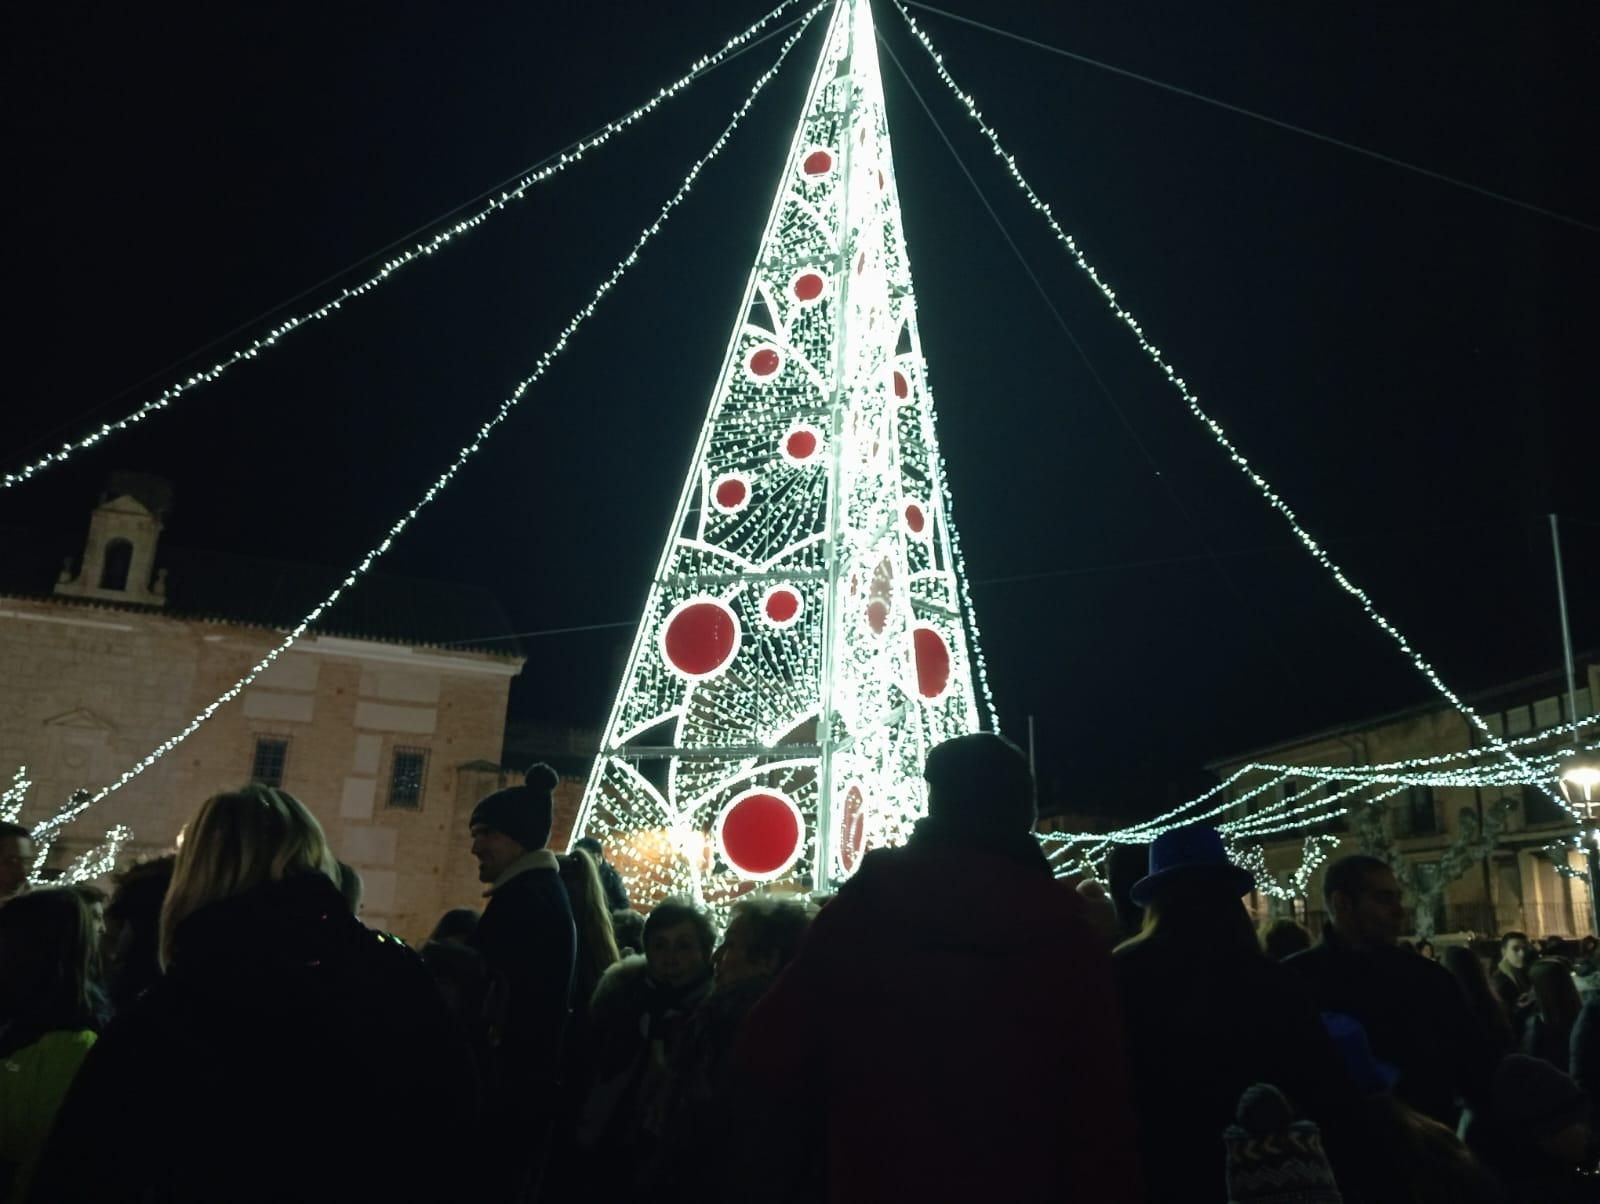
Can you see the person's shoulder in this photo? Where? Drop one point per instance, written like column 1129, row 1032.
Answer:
column 533, row 891
column 1430, row 973
column 390, row 954
column 1318, row 959
column 621, row 988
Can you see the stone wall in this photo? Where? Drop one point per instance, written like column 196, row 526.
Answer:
column 91, row 690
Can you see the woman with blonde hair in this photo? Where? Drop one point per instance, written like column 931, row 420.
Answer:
column 597, row 944
column 596, row 953
column 277, row 1013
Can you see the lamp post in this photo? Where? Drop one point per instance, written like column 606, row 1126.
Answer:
column 1579, row 775
column 1579, row 779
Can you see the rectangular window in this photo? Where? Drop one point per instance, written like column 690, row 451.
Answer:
column 1519, row 721
column 1547, row 713
column 272, row 754
column 406, row 779
column 1424, row 816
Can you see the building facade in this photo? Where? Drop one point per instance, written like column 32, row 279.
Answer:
column 1520, row 885
column 387, row 721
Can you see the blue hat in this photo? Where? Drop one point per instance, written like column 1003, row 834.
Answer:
column 1192, row 851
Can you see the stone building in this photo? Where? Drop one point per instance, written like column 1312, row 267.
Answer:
column 1519, row 885
column 387, row 721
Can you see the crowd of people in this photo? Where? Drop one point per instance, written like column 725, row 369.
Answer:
column 957, row 1023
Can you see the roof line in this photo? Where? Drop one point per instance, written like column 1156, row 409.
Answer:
column 1418, row 709
column 198, row 617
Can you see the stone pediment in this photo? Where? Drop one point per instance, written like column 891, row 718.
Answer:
column 82, row 719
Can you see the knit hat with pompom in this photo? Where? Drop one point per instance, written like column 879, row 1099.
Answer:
column 524, row 812
column 1273, row 1158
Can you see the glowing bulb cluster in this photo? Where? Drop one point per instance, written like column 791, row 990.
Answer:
column 489, row 208
column 1253, row 858
column 14, row 796
column 98, row 861
column 1158, row 357
column 462, row 456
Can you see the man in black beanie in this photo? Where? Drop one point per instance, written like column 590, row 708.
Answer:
column 950, row 1016
column 528, row 943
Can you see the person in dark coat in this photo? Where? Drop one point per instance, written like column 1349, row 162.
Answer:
column 706, row 1100
column 1207, row 1013
column 616, row 889
column 274, row 1057
column 1548, row 1033
column 1511, row 981
column 637, row 1018
column 950, row 1019
column 1412, row 1010
column 133, row 929
column 1542, row 1147
column 528, row 942
column 1489, row 1019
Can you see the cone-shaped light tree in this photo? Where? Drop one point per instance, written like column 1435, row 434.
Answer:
column 807, row 636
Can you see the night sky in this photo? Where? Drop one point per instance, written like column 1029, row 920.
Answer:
column 1409, row 362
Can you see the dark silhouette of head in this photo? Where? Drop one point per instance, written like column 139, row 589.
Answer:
column 980, row 781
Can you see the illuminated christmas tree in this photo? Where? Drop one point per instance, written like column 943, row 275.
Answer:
column 808, row 636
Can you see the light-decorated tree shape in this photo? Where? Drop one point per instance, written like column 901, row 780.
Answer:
column 807, row 636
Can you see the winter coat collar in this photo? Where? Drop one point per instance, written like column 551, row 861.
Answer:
column 627, row 988
column 539, row 859
column 293, row 922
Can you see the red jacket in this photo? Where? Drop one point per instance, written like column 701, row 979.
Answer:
column 952, row 1016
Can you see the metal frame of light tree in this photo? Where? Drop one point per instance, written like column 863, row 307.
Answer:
column 804, row 641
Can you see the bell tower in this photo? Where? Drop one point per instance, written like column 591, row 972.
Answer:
column 118, row 563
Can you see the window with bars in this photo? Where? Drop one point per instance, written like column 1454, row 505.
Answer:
column 271, row 757
column 406, row 778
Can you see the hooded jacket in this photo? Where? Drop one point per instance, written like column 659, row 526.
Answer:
column 951, row 1017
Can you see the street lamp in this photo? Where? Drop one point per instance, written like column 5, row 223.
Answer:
column 1579, row 775
column 1579, row 779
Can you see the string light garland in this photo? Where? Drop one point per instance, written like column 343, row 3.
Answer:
column 1158, row 357
column 15, row 795
column 494, row 205
column 968, row 610
column 80, row 804
column 1292, row 812
column 1253, row 858
column 98, row 861
column 808, row 634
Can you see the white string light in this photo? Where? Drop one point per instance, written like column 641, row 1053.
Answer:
column 15, row 794
column 1284, row 815
column 79, row 805
column 1253, row 858
column 98, row 861
column 1158, row 357
column 404, row 259
column 968, row 610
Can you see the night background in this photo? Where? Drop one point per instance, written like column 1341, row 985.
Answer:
column 1408, row 362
